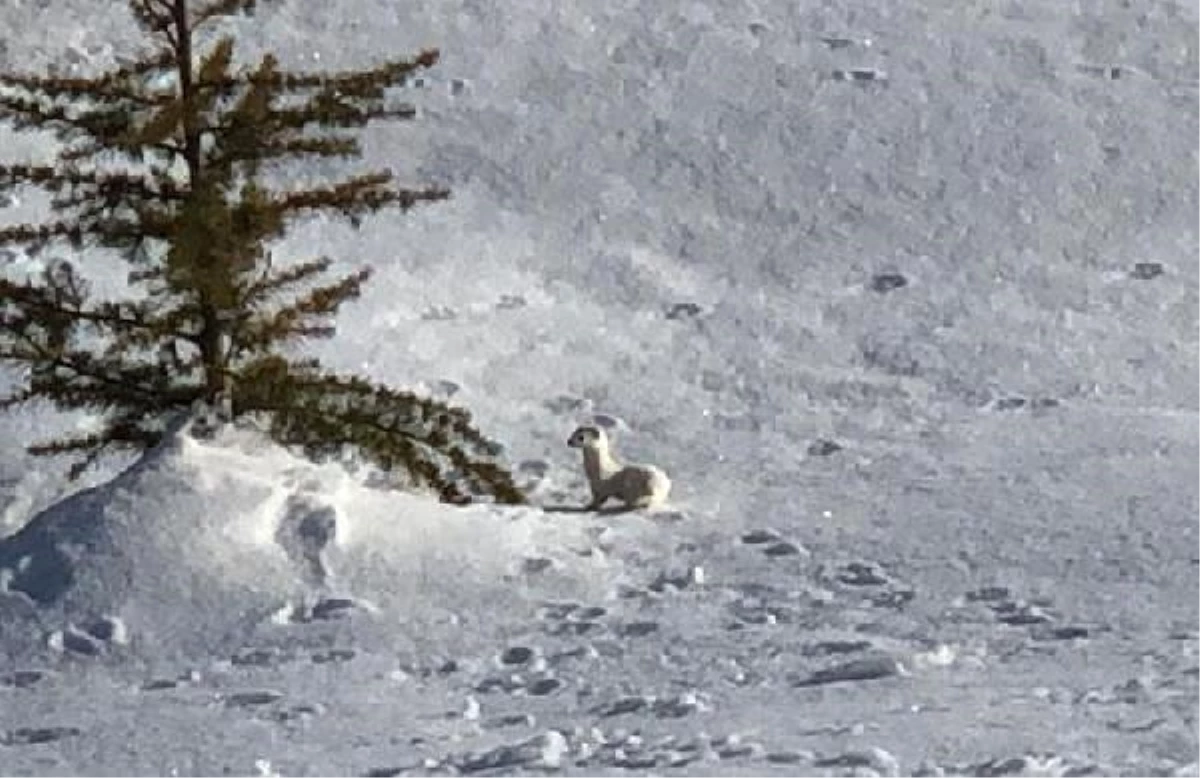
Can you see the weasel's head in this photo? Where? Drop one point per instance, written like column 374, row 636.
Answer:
column 587, row 437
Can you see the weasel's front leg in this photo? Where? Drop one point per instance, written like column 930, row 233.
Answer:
column 598, row 499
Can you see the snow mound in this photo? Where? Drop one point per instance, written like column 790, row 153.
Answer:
column 208, row 542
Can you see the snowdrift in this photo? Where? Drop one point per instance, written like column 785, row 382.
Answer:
column 205, row 541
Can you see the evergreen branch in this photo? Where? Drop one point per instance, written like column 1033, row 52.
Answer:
column 92, row 149
column 105, row 127
column 128, row 432
column 27, row 112
column 88, row 384
column 38, row 305
column 214, row 314
column 302, row 318
column 348, row 82
column 112, row 187
column 220, row 8
column 357, row 196
column 17, row 397
column 298, row 147
column 154, row 16
column 112, row 231
column 139, row 69
column 323, row 412
column 92, row 90
column 336, row 109
column 273, row 281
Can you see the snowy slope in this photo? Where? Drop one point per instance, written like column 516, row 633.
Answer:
column 676, row 216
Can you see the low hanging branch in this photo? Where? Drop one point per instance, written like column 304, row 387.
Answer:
column 160, row 160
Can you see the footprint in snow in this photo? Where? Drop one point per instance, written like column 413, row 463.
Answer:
column 542, row 752
column 28, row 736
column 252, row 699
column 1068, row 632
column 160, row 684
column 1015, row 403
column 541, row 687
column 271, row 656
column 536, row 564
column 881, row 283
column 865, row 669
column 92, row 639
column 823, row 448
column 1009, row 609
column 783, row 549
column 753, row 611
column 21, row 679
column 1038, row 615
column 895, row 599
column 861, row 574
column 576, row 628
column 637, row 629
column 773, row 544
column 516, row 655
column 756, row 537
column 74, row 641
column 439, row 313
column 294, row 713
column 565, row 403
column 445, row 387
column 633, row 751
column 676, row 579
column 835, row 647
column 535, row 468
column 511, row 302
column 510, row 720
column 686, row 310
column 333, row 656
column 558, row 611
column 674, row 707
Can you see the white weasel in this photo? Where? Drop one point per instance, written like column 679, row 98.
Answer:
column 638, row 486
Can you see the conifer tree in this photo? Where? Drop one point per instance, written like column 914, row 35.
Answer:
column 164, row 160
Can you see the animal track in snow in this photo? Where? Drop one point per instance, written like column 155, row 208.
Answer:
column 21, row 679
column 861, row 574
column 333, row 656
column 760, row 536
column 835, row 647
column 865, row 669
column 511, row 302
column 536, row 468
column 1011, row 610
column 251, row 699
column 569, row 618
column 686, row 310
column 772, row 543
column 637, row 629
column 542, row 684
column 671, row 707
column 271, row 656
column 566, row 403
column 823, row 448
column 516, row 655
column 28, row 736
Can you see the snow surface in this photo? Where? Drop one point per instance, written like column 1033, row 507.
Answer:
column 929, row 408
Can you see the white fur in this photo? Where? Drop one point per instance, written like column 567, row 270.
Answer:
column 637, row 486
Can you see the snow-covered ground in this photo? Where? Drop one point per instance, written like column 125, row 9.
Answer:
column 919, row 352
